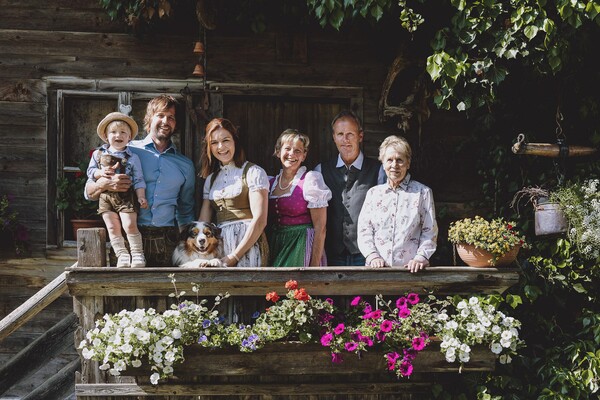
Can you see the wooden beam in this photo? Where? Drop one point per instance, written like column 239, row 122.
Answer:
column 59, row 386
column 33, row 357
column 266, row 389
column 317, row 280
column 33, row 306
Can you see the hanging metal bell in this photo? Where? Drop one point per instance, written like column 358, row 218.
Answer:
column 198, row 71
column 199, row 48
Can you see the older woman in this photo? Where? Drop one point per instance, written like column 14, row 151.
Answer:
column 297, row 206
column 396, row 225
column 237, row 191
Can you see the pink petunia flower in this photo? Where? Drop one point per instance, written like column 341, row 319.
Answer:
column 418, row 343
column 386, row 326
column 326, row 339
column 355, row 301
column 401, row 302
column 406, row 368
column 391, row 360
column 413, row 298
column 350, row 346
column 404, row 312
column 338, row 330
column 336, row 358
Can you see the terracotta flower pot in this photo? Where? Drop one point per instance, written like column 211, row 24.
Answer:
column 77, row 224
column 476, row 257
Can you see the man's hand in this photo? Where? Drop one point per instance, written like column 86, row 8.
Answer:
column 116, row 183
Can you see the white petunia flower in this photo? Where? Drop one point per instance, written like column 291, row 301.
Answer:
column 88, row 353
column 154, row 378
column 496, row 348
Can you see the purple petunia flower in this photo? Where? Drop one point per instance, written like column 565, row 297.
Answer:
column 386, row 326
column 202, row 338
column 409, row 354
column 404, row 312
column 350, row 346
column 205, row 323
column 406, row 368
column 324, row 318
column 418, row 343
column 355, row 301
column 338, row 330
column 380, row 336
column 401, row 302
column 367, row 309
column 413, row 298
column 329, row 300
column 336, row 358
column 326, row 339
column 391, row 360
column 256, row 314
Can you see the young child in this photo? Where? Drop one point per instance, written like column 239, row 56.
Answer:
column 114, row 157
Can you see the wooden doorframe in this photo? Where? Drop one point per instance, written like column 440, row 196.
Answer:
column 219, row 90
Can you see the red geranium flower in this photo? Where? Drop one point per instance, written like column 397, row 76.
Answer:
column 301, row 295
column 272, row 296
column 291, row 285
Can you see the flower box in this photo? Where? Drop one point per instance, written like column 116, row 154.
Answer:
column 295, row 358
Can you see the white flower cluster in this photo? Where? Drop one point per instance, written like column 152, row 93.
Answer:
column 589, row 210
column 581, row 205
column 125, row 339
column 476, row 322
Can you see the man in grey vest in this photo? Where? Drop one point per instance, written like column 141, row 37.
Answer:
column 349, row 177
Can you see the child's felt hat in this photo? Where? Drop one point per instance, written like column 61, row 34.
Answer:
column 116, row 116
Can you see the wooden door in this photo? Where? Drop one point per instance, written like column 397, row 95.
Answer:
column 261, row 119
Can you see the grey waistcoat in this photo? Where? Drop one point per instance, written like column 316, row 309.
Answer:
column 344, row 206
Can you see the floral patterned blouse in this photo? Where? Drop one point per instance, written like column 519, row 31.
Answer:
column 398, row 225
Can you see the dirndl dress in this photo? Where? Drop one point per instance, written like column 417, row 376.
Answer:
column 291, row 234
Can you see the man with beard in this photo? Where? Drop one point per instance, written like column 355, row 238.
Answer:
column 170, row 183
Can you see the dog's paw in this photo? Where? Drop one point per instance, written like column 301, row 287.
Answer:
column 215, row 262
column 193, row 264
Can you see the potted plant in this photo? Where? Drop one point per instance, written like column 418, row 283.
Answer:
column 482, row 243
column 549, row 217
column 82, row 213
column 581, row 205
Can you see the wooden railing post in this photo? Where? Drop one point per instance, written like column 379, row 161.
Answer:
column 91, row 247
column 91, row 252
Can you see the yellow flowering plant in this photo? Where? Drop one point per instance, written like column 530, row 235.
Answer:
column 496, row 236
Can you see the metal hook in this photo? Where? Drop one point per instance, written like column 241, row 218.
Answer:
column 560, row 136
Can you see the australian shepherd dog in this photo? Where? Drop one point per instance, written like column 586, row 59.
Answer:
column 200, row 245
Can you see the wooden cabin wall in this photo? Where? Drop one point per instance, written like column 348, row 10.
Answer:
column 65, row 38
column 61, row 38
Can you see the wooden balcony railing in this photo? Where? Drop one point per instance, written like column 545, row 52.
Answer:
column 277, row 369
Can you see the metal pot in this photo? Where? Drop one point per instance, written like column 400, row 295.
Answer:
column 549, row 219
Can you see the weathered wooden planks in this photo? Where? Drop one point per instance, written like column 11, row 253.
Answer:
column 318, row 281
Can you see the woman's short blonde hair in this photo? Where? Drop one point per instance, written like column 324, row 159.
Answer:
column 399, row 144
column 291, row 136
